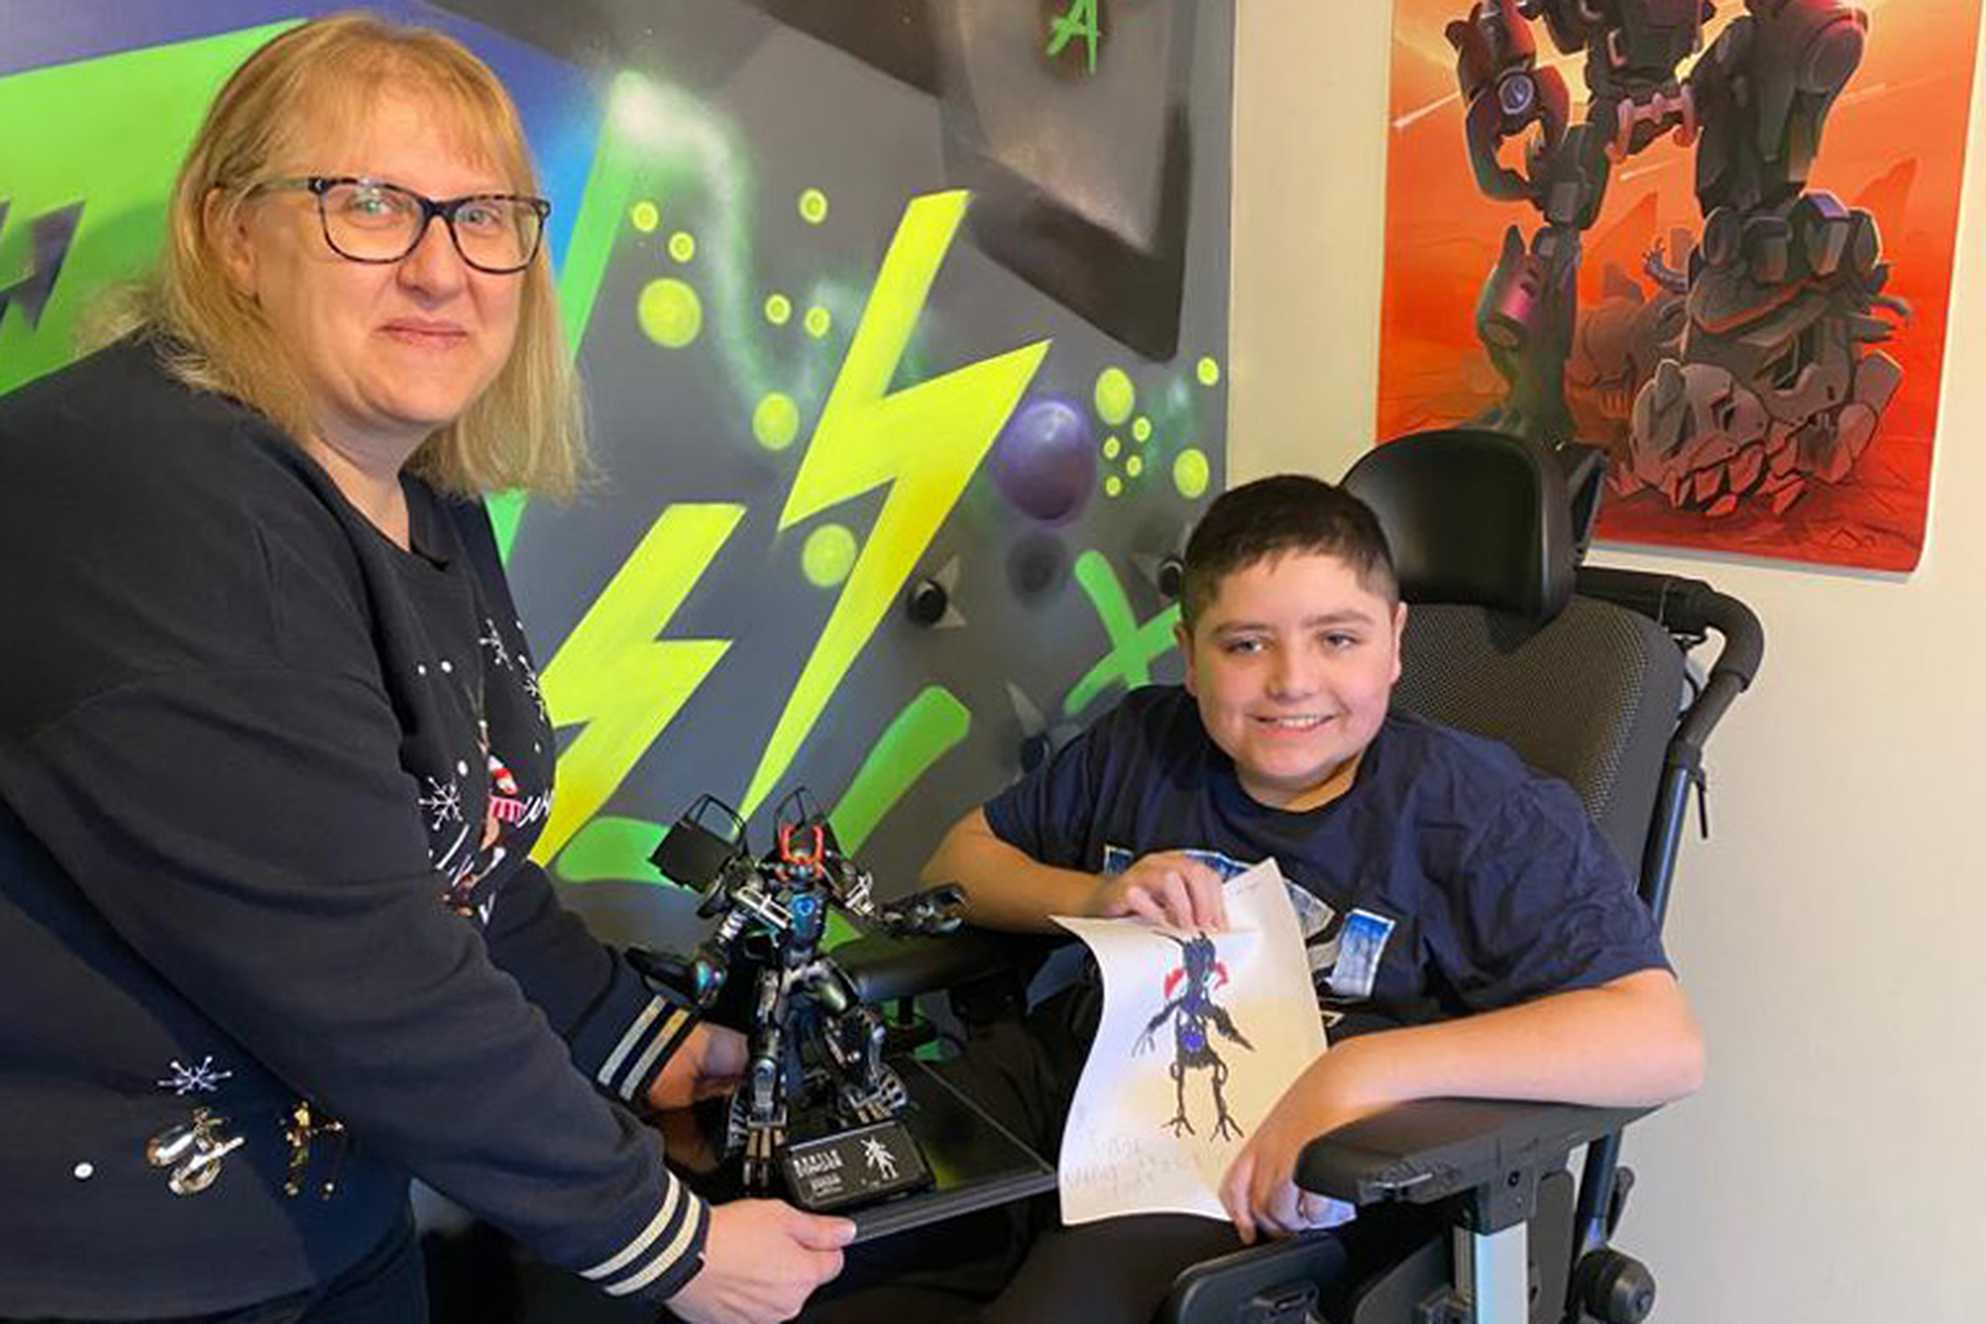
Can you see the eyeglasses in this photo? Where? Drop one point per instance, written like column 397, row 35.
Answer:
column 369, row 220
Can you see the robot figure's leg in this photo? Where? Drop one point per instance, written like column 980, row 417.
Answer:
column 765, row 1119
column 865, row 1089
column 883, row 1095
column 1224, row 1124
column 737, row 1122
column 868, row 1090
column 1179, row 1123
column 762, row 1145
column 763, row 1089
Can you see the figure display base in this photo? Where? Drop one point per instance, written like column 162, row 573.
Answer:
column 971, row 1162
column 850, row 1168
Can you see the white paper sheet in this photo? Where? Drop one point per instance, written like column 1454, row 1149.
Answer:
column 1123, row 1152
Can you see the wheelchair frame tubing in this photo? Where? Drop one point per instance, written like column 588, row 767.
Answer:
column 1495, row 1268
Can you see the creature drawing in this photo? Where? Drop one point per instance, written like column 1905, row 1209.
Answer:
column 1192, row 1010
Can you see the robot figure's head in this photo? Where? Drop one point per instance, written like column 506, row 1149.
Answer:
column 1197, row 955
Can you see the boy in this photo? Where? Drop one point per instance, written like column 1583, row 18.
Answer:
column 1470, row 931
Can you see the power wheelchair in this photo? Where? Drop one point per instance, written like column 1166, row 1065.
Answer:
column 1582, row 670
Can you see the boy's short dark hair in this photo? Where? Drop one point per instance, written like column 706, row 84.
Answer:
column 1274, row 516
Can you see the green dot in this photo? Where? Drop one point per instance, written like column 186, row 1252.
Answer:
column 1112, row 448
column 776, row 421
column 682, row 245
column 1190, row 473
column 645, row 216
column 777, row 309
column 1135, row 465
column 817, row 321
column 1208, row 371
column 669, row 312
column 1141, row 429
column 1114, row 395
column 813, row 206
column 827, row 556
column 1113, row 486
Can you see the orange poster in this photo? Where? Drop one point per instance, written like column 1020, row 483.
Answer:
column 1714, row 237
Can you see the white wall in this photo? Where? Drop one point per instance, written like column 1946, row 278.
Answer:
column 1833, row 934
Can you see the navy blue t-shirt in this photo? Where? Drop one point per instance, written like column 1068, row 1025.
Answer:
column 1449, row 879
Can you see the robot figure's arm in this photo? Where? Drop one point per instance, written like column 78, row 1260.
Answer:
column 852, row 888
column 932, row 912
column 1225, row 1024
column 1145, row 1038
column 708, row 971
column 755, row 901
column 1504, row 93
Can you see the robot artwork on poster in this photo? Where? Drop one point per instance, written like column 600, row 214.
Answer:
column 1752, row 372
column 819, row 1104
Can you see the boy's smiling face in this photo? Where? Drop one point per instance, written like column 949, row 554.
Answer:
column 1293, row 664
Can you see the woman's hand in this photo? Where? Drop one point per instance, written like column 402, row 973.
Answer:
column 711, row 1062
column 1168, row 887
column 761, row 1261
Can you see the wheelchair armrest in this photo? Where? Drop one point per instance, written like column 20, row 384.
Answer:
column 884, row 969
column 1429, row 1150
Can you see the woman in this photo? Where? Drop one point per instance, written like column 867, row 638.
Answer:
column 272, row 756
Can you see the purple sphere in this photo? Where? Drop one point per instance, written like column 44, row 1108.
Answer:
column 1045, row 458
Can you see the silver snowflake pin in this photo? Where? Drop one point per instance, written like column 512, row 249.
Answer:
column 202, row 1079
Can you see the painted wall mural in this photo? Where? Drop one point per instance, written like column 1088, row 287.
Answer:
column 1714, row 238
column 904, row 328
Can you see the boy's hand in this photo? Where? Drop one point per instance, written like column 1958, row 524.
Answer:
column 762, row 1260
column 1170, row 887
column 711, row 1062
column 1260, row 1190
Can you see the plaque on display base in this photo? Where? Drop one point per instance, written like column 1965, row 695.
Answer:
column 856, row 1167
column 951, row 1159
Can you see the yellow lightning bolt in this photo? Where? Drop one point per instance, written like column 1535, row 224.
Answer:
column 928, row 439
column 613, row 674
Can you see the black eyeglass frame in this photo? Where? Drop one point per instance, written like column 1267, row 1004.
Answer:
column 320, row 185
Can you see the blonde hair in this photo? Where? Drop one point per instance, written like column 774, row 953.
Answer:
column 528, row 429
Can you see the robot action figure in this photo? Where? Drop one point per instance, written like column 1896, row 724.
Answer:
column 1767, row 382
column 816, row 1052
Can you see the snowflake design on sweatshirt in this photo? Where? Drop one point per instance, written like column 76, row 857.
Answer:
column 201, row 1079
column 492, row 640
column 443, row 803
column 529, row 675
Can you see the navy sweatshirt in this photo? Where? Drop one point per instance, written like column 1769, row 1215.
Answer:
column 267, row 787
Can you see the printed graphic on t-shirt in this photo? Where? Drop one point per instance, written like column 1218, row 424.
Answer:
column 1344, row 950
column 1350, row 957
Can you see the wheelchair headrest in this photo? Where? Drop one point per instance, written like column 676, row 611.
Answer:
column 1480, row 518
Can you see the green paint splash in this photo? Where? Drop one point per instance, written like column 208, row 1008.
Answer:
column 929, row 726
column 1133, row 647
column 108, row 133
column 611, row 849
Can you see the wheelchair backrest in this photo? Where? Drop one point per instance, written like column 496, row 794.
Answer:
column 1497, row 643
